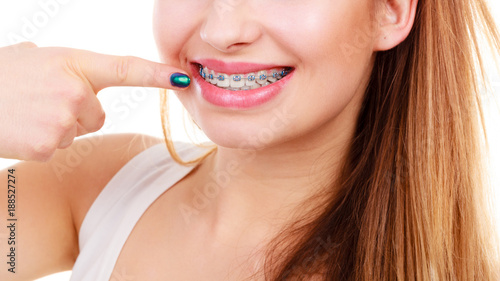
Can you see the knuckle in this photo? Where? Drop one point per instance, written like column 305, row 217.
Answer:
column 99, row 120
column 76, row 95
column 122, row 67
column 65, row 57
column 157, row 72
column 27, row 45
column 66, row 144
column 65, row 122
column 43, row 150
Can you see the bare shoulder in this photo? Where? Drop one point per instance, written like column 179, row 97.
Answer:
column 51, row 199
column 90, row 163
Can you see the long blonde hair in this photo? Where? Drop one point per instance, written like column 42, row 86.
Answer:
column 412, row 202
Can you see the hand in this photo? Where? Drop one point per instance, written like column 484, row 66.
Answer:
column 48, row 95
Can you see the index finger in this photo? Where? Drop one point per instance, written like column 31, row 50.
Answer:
column 104, row 71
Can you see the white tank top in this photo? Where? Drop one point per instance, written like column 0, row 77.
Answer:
column 120, row 205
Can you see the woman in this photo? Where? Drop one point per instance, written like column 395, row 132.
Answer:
column 347, row 148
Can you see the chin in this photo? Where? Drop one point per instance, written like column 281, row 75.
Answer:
column 241, row 137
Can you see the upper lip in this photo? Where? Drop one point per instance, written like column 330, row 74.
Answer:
column 235, row 67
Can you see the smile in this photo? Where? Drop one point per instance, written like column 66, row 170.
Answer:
column 240, row 85
column 242, row 82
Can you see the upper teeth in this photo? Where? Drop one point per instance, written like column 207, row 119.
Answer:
column 238, row 82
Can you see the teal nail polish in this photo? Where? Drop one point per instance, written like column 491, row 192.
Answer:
column 180, row 80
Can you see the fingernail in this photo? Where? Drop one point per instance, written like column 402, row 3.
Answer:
column 179, row 80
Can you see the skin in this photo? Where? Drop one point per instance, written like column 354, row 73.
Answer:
column 49, row 95
column 321, row 101
column 268, row 177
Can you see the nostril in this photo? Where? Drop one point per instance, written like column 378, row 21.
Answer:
column 236, row 46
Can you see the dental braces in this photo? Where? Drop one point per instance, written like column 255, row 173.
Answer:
column 236, row 78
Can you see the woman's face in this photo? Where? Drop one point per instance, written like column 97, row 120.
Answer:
column 325, row 46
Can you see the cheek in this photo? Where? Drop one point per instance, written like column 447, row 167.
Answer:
column 335, row 49
column 337, row 32
column 319, row 39
column 337, row 46
column 172, row 28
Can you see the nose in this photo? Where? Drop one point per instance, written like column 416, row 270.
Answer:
column 229, row 26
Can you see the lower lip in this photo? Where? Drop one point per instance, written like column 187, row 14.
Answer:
column 239, row 99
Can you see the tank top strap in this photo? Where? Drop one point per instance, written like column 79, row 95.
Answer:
column 122, row 202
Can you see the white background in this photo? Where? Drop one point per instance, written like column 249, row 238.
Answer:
column 124, row 28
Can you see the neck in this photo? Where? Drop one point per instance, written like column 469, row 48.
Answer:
column 263, row 188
